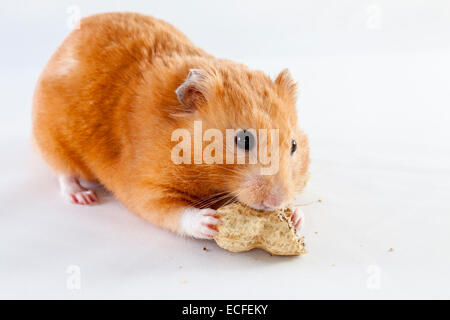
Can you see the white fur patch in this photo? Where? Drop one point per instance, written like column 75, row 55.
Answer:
column 66, row 65
column 66, row 61
column 197, row 223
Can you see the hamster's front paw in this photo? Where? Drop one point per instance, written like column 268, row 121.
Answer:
column 199, row 223
column 298, row 219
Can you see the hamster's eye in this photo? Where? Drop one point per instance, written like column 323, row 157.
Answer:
column 293, row 146
column 245, row 140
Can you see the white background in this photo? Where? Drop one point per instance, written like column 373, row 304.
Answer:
column 375, row 101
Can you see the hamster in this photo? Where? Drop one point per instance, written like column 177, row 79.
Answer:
column 108, row 101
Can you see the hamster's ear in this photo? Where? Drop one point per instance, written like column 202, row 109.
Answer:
column 286, row 84
column 194, row 89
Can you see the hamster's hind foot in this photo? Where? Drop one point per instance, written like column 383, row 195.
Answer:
column 74, row 192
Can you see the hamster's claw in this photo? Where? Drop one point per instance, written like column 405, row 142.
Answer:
column 200, row 223
column 298, row 219
column 83, row 197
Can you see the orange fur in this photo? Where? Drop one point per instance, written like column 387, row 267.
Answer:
column 104, row 110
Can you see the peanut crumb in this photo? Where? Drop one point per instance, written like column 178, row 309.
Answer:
column 333, row 265
column 184, row 282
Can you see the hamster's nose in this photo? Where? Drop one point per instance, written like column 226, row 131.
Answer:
column 273, row 201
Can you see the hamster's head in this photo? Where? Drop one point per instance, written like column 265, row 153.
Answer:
column 262, row 159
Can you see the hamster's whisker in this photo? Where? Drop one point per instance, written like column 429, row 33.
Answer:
column 231, row 200
column 232, row 170
column 299, row 204
column 209, row 198
column 212, row 197
column 237, row 194
column 231, row 196
column 214, row 201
